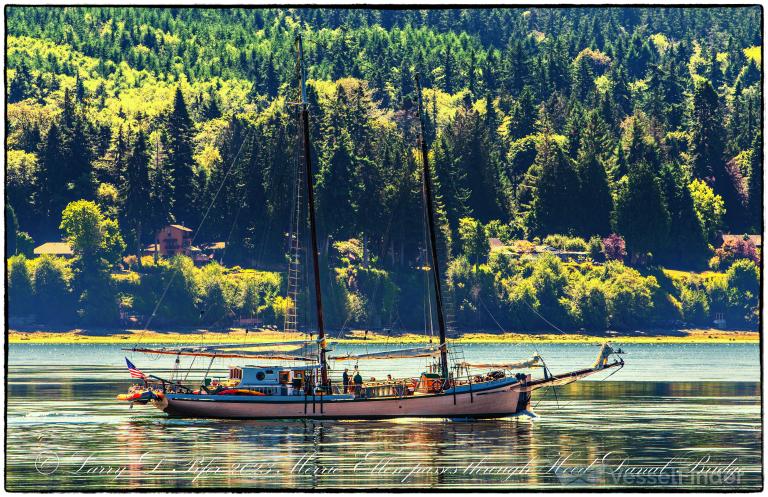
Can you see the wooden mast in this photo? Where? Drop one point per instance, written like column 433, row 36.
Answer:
column 427, row 183
column 312, row 220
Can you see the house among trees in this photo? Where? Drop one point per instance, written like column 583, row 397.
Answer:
column 59, row 249
column 174, row 239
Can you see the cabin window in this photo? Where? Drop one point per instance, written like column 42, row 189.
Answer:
column 284, row 376
column 236, row 373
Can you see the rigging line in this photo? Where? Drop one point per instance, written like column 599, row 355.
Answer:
column 190, row 368
column 480, row 299
column 231, row 230
column 192, row 242
column 242, row 204
column 598, row 381
column 543, row 318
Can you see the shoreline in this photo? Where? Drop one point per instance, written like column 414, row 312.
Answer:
column 129, row 336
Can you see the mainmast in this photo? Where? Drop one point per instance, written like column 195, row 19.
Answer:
column 312, row 220
column 427, row 182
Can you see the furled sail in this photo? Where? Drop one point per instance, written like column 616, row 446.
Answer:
column 415, row 352
column 239, row 346
column 533, row 362
column 224, row 352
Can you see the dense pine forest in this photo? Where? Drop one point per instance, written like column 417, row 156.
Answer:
column 601, row 151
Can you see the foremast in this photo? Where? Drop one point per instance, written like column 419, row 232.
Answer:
column 429, row 204
column 312, row 220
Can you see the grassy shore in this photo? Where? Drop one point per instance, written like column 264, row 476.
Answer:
column 240, row 335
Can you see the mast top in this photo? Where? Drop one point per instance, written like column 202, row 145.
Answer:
column 302, row 79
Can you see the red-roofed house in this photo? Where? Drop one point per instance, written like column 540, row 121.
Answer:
column 174, row 239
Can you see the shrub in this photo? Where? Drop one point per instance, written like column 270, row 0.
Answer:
column 258, row 290
column 371, row 288
column 474, row 240
column 743, row 280
column 19, row 286
column 25, row 244
column 710, row 208
column 98, row 303
column 614, row 248
column 471, row 283
column 587, row 304
column 734, row 250
column 180, row 305
column 695, row 304
column 565, row 242
column 520, row 299
column 595, row 248
column 630, row 297
column 280, row 307
column 349, row 251
column 496, row 229
column 549, row 282
column 53, row 299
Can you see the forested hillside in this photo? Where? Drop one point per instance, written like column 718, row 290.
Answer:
column 583, row 122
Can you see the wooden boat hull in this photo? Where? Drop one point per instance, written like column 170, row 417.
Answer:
column 499, row 399
column 493, row 399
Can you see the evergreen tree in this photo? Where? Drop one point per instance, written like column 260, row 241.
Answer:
column 161, row 184
column 574, row 127
column 686, row 244
column 583, row 79
column 79, row 157
column 640, row 145
column 707, row 150
column 52, row 181
column 80, row 93
column 181, row 161
column 137, row 191
column 21, row 84
column 523, row 115
column 212, row 110
column 335, row 188
column 595, row 199
column 641, row 216
column 748, row 76
column 620, row 91
column 715, row 74
column 556, row 187
column 707, row 132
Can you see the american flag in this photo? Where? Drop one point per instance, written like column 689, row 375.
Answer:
column 135, row 372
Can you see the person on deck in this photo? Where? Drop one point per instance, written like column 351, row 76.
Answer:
column 358, row 384
column 345, row 380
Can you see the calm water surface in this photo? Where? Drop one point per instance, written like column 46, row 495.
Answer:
column 676, row 417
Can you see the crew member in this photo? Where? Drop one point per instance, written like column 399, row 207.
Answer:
column 345, row 380
column 358, row 384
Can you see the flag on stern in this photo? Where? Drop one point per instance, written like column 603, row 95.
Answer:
column 135, row 372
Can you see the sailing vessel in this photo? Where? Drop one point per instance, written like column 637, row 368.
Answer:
column 306, row 390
